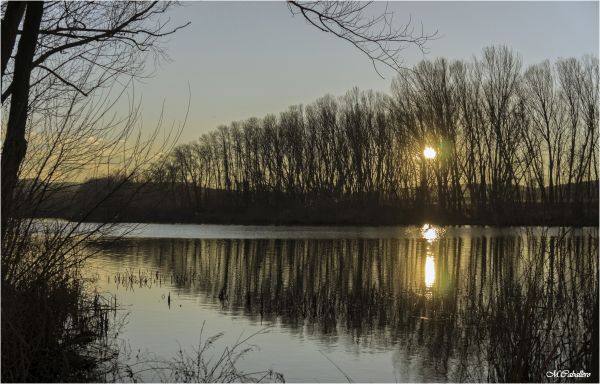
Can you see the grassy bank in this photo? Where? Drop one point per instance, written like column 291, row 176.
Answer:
column 52, row 330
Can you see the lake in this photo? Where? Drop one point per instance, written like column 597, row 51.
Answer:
column 376, row 304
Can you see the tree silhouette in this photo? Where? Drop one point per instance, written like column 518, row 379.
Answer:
column 66, row 47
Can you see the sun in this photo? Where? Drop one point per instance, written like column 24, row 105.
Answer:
column 429, row 153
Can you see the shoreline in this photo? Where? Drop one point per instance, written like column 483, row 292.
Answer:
column 344, row 223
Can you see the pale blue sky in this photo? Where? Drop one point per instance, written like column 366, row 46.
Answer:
column 250, row 59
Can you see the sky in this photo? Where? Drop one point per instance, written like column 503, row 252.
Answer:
column 238, row 60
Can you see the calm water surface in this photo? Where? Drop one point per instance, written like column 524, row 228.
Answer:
column 388, row 304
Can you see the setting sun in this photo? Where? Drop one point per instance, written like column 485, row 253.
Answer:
column 429, row 153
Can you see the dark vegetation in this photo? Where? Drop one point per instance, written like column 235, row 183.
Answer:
column 513, row 147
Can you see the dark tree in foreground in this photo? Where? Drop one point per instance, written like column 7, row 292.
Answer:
column 60, row 63
column 65, row 47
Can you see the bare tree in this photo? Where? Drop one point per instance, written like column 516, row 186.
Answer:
column 56, row 58
column 67, row 47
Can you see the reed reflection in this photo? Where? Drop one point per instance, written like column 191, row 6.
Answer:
column 452, row 297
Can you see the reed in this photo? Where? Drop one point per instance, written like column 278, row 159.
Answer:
column 201, row 364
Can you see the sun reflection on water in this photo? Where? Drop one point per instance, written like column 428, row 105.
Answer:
column 429, row 271
column 429, row 233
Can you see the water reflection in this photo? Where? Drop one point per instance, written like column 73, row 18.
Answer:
column 466, row 307
column 429, row 271
column 429, row 232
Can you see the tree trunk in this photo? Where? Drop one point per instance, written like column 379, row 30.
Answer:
column 15, row 145
column 10, row 24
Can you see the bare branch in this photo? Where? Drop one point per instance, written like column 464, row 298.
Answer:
column 67, row 82
column 375, row 36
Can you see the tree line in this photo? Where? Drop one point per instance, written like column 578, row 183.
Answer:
column 505, row 138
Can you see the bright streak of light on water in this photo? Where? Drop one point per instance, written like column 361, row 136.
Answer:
column 429, row 271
